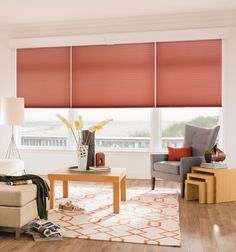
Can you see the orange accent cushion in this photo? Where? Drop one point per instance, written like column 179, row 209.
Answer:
column 175, row 154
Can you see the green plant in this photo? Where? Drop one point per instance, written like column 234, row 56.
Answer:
column 208, row 152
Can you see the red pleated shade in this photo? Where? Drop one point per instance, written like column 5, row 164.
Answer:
column 43, row 77
column 113, row 75
column 189, row 74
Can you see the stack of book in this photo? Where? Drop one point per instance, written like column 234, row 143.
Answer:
column 43, row 230
column 100, row 168
column 214, row 165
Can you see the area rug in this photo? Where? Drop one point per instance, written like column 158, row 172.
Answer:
column 147, row 217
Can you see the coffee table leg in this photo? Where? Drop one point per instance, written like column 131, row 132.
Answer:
column 65, row 188
column 123, row 188
column 51, row 193
column 116, row 197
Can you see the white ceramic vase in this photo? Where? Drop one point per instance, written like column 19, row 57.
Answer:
column 82, row 157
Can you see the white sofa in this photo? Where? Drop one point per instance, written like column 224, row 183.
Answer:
column 18, row 204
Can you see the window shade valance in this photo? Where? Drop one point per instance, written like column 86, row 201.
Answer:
column 188, row 73
column 113, row 76
column 43, row 77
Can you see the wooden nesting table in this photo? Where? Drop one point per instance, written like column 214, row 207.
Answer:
column 117, row 177
column 211, row 185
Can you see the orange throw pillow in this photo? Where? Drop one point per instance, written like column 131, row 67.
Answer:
column 175, row 154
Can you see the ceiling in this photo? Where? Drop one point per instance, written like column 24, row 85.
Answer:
column 16, row 12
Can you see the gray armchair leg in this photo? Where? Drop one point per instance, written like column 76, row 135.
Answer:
column 182, row 188
column 17, row 236
column 153, row 183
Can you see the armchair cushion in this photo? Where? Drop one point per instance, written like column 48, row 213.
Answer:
column 175, row 154
column 171, row 167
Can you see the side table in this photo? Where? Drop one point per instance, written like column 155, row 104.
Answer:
column 205, row 184
column 221, row 189
column 224, row 181
column 195, row 189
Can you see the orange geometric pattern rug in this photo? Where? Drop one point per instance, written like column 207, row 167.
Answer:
column 147, row 217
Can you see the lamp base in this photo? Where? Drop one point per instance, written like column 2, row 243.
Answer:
column 12, row 150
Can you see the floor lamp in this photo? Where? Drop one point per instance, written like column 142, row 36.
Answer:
column 12, row 114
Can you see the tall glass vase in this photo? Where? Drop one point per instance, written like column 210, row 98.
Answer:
column 88, row 138
column 82, row 153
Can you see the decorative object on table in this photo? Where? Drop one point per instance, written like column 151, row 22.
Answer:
column 92, row 169
column 82, row 156
column 12, row 114
column 100, row 159
column 208, row 155
column 88, row 139
column 217, row 154
column 84, row 140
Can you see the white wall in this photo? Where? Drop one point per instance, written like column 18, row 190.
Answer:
column 6, row 87
column 229, row 98
column 43, row 162
column 137, row 163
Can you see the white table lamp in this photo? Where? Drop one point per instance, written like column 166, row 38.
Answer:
column 12, row 114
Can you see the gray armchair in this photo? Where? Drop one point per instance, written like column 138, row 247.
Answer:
column 199, row 139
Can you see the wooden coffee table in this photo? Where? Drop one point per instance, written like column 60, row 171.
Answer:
column 117, row 177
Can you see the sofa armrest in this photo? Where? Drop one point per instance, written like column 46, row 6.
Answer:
column 157, row 158
column 186, row 163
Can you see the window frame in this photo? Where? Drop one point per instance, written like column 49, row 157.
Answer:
column 155, row 136
column 72, row 114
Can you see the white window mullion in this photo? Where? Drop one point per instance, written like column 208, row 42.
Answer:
column 155, row 130
column 71, row 117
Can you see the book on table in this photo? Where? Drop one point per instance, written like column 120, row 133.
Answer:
column 214, row 165
column 100, row 168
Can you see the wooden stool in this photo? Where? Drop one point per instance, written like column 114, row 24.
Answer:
column 195, row 189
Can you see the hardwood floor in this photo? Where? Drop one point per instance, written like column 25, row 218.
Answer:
column 204, row 227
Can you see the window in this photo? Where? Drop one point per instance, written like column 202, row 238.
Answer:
column 43, row 129
column 130, row 128
column 173, row 121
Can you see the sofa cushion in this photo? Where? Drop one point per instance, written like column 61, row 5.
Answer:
column 171, row 167
column 17, row 196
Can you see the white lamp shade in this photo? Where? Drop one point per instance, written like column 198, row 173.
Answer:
column 12, row 110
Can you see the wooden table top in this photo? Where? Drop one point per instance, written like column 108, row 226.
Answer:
column 71, row 175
